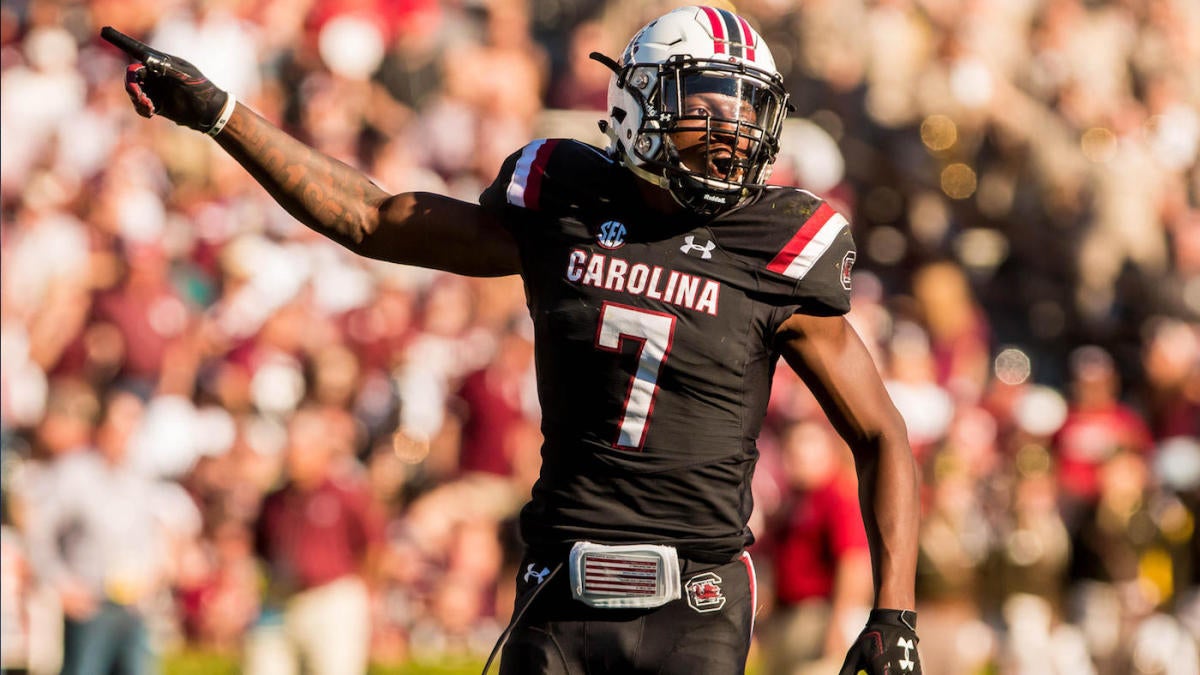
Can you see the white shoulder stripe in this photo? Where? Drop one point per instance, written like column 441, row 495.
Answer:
column 816, row 247
column 520, row 178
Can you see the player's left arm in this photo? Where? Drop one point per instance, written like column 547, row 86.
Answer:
column 827, row 353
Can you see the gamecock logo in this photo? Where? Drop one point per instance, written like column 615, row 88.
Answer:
column 704, row 593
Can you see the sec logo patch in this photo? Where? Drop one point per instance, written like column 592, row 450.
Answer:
column 611, row 235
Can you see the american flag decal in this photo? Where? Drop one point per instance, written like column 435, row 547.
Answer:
column 809, row 243
column 620, row 575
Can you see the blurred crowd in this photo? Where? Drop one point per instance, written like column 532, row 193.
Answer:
column 179, row 359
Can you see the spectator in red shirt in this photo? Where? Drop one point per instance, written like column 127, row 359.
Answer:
column 820, row 559
column 1098, row 425
column 495, row 400
column 148, row 313
column 1171, row 364
column 317, row 536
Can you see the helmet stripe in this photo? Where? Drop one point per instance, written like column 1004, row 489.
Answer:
column 718, row 30
column 749, row 41
column 733, row 30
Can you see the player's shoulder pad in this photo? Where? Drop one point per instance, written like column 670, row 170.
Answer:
column 787, row 230
column 550, row 174
column 815, row 232
column 797, row 241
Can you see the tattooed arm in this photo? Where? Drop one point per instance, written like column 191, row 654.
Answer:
column 339, row 201
column 328, row 196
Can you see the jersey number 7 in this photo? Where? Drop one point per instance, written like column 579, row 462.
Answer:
column 655, row 332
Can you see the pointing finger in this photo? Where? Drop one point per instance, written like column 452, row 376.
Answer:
column 135, row 48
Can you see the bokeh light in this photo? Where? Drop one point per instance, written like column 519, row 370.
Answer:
column 958, row 181
column 938, row 133
column 1098, row 144
column 886, row 245
column 1012, row 366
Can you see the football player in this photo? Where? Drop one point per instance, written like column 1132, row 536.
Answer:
column 665, row 280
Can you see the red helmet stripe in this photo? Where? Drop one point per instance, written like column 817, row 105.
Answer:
column 748, row 40
column 718, row 30
column 733, row 30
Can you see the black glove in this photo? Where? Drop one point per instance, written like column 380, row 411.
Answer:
column 887, row 646
column 161, row 84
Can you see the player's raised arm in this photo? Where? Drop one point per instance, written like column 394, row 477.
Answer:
column 325, row 194
column 832, row 360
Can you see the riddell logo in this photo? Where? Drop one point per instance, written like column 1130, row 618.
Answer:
column 704, row 593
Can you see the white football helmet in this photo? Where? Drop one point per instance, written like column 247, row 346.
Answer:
column 686, row 55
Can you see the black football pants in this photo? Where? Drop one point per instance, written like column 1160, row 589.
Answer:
column 705, row 632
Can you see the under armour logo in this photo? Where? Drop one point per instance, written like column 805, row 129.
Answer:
column 907, row 646
column 537, row 576
column 691, row 245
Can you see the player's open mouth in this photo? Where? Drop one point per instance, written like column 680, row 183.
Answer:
column 721, row 163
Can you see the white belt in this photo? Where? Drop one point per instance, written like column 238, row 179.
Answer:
column 633, row 576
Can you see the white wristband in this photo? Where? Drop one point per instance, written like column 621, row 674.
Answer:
column 223, row 118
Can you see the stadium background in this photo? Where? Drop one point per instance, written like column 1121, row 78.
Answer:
column 1021, row 176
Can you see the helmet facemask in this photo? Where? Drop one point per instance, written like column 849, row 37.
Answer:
column 709, row 128
column 720, row 126
column 696, row 106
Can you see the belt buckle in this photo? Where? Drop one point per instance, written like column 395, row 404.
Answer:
column 630, row 576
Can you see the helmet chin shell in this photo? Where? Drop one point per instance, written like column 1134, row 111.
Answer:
column 666, row 58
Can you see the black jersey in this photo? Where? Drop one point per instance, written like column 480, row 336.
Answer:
column 654, row 344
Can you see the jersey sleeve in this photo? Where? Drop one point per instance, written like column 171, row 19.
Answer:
column 549, row 176
column 802, row 249
column 519, row 183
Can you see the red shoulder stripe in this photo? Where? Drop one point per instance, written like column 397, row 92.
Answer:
column 810, row 241
column 525, row 186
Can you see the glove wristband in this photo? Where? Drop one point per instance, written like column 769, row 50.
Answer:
column 905, row 618
column 223, row 118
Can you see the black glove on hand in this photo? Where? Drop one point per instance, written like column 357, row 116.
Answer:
column 887, row 646
column 161, row 84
